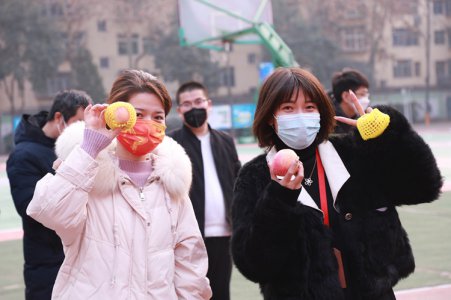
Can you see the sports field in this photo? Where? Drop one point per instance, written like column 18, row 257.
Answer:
column 428, row 226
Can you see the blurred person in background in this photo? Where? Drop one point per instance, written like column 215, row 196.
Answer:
column 215, row 166
column 30, row 160
column 119, row 202
column 343, row 82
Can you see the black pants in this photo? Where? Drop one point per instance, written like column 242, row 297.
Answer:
column 219, row 266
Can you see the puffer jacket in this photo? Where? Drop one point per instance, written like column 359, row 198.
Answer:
column 122, row 242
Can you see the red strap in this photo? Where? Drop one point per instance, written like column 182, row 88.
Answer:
column 324, row 208
column 322, row 188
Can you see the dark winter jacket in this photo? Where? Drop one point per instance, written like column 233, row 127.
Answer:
column 226, row 162
column 31, row 159
column 283, row 244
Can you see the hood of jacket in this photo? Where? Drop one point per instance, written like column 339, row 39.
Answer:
column 30, row 130
column 170, row 163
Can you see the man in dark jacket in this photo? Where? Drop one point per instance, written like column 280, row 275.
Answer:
column 342, row 83
column 215, row 166
column 31, row 160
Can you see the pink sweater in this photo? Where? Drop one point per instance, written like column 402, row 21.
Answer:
column 138, row 171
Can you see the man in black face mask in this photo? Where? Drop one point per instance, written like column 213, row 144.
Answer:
column 215, row 167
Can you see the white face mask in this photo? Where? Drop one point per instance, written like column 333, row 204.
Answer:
column 298, row 131
column 365, row 102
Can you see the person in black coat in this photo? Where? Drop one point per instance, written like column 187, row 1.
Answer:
column 328, row 228
column 31, row 159
column 215, row 167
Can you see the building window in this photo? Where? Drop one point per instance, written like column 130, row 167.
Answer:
column 439, row 37
column 147, row 45
column 101, row 26
column 227, row 77
column 58, row 83
column 437, row 7
column 417, row 69
column 443, row 73
column 251, row 58
column 440, row 69
column 104, row 62
column 448, row 7
column 76, row 40
column 56, row 10
column 405, row 7
column 404, row 37
column 354, row 39
column 126, row 45
column 79, row 39
column 402, row 68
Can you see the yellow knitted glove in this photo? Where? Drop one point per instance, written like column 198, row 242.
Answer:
column 373, row 124
column 116, row 117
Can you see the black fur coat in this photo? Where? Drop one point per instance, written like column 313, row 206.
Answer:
column 284, row 246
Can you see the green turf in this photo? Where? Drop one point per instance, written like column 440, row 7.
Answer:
column 11, row 280
column 428, row 226
column 9, row 219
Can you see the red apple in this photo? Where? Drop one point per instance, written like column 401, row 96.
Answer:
column 282, row 161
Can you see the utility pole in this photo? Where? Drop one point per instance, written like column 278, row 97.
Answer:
column 427, row 104
column 227, row 50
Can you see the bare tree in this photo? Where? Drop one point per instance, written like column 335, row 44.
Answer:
column 30, row 50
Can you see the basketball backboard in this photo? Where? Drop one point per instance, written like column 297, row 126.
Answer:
column 206, row 23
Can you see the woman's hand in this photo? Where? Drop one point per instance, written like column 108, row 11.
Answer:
column 359, row 108
column 293, row 178
column 95, row 120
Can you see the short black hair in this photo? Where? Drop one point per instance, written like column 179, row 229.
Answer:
column 189, row 86
column 67, row 102
column 348, row 79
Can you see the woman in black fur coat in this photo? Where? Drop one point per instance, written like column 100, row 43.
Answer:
column 329, row 228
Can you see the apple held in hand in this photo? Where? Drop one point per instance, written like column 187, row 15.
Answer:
column 282, row 161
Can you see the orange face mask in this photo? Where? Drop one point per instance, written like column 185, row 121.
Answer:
column 145, row 136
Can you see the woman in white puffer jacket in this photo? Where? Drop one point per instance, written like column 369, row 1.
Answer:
column 122, row 208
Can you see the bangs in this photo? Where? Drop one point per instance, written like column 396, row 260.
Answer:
column 289, row 92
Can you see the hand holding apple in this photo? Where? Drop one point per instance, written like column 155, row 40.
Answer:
column 282, row 161
column 286, row 169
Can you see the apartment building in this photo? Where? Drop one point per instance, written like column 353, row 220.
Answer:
column 406, row 44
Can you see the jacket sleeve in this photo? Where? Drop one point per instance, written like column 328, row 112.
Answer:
column 265, row 226
column 399, row 162
column 60, row 200
column 24, row 171
column 191, row 261
column 234, row 158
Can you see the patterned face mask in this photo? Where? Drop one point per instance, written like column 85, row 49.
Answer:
column 142, row 138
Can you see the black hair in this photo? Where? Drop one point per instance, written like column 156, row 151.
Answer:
column 189, row 86
column 68, row 102
column 346, row 80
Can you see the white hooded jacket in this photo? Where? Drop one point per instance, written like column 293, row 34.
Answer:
column 122, row 242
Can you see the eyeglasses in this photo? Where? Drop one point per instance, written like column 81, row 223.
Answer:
column 189, row 104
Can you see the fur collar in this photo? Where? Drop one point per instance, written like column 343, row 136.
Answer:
column 171, row 164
